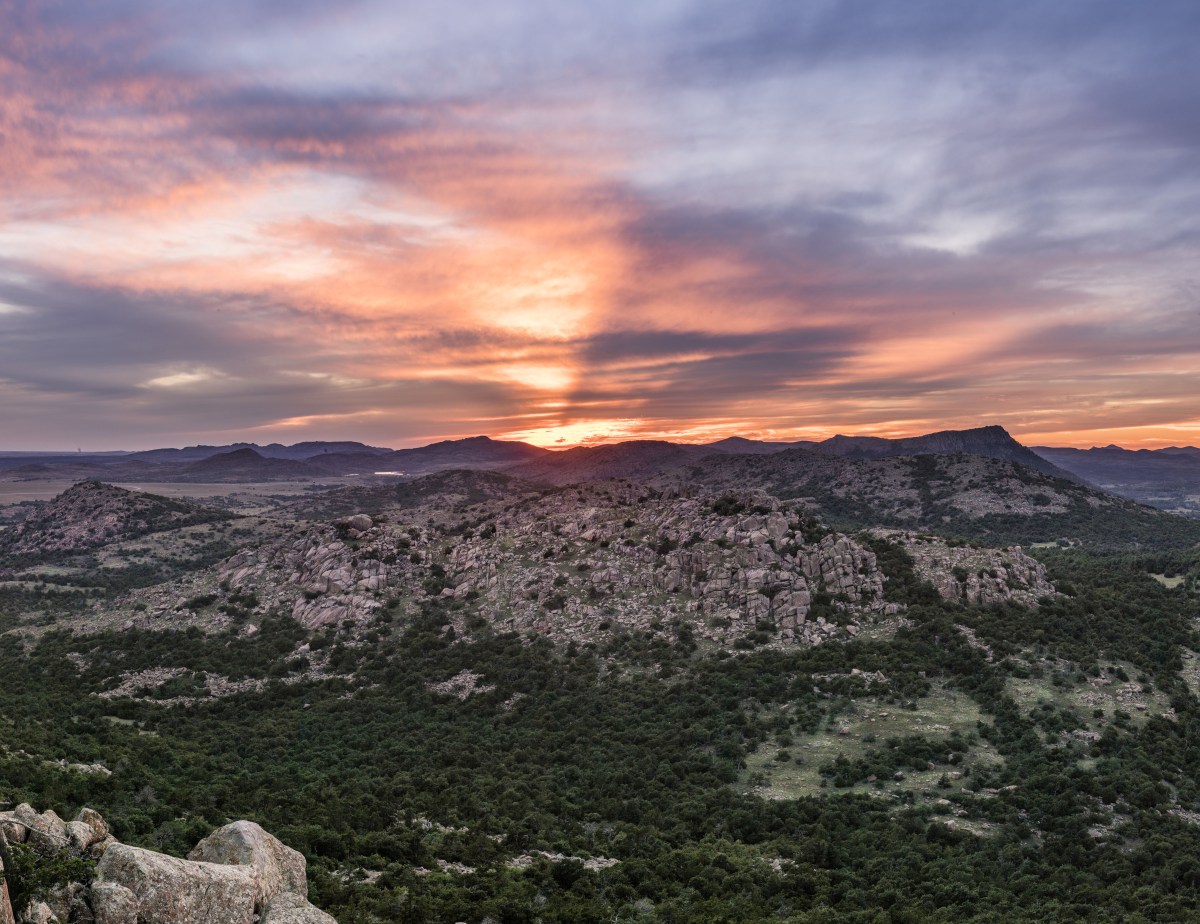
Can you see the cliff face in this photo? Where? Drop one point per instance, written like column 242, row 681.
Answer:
column 239, row 874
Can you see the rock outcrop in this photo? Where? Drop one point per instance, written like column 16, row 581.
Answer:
column 570, row 564
column 972, row 574
column 287, row 908
column 6, row 913
column 239, row 874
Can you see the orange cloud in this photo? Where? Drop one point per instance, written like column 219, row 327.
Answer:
column 495, row 252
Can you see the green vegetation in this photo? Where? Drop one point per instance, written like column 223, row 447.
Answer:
column 952, row 763
column 32, row 876
column 932, row 785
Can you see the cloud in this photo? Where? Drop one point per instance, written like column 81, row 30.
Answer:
column 658, row 217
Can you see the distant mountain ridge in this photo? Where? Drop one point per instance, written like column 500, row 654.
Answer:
column 472, row 452
column 633, row 459
column 637, row 459
column 1166, row 478
column 299, row 451
column 994, row 442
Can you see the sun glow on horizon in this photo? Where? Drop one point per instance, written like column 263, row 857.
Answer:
column 782, row 248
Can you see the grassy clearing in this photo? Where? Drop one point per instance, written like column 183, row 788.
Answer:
column 1169, row 582
column 864, row 724
column 1093, row 701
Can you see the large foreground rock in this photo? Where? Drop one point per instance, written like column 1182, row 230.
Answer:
column 6, row 913
column 172, row 891
column 276, row 866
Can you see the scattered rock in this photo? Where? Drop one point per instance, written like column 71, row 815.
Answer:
column 462, row 685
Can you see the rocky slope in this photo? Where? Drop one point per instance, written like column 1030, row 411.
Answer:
column 971, row 574
column 998, row 501
column 569, row 564
column 92, row 514
column 239, row 874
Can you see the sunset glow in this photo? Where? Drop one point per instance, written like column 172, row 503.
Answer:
column 305, row 221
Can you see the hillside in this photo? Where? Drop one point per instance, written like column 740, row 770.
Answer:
column 445, row 491
column 473, row 452
column 296, row 452
column 751, row 687
column 473, row 697
column 93, row 514
column 992, row 442
column 242, row 465
column 996, row 501
column 633, row 459
column 739, row 445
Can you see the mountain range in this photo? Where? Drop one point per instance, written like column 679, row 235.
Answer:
column 1165, row 478
column 733, row 680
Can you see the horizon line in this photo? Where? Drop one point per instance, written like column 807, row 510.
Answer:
column 683, row 439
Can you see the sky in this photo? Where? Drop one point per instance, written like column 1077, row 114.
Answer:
column 579, row 222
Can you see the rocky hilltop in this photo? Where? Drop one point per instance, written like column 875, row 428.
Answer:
column 576, row 564
column 472, row 452
column 974, row 575
column 239, row 874
column 92, row 513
